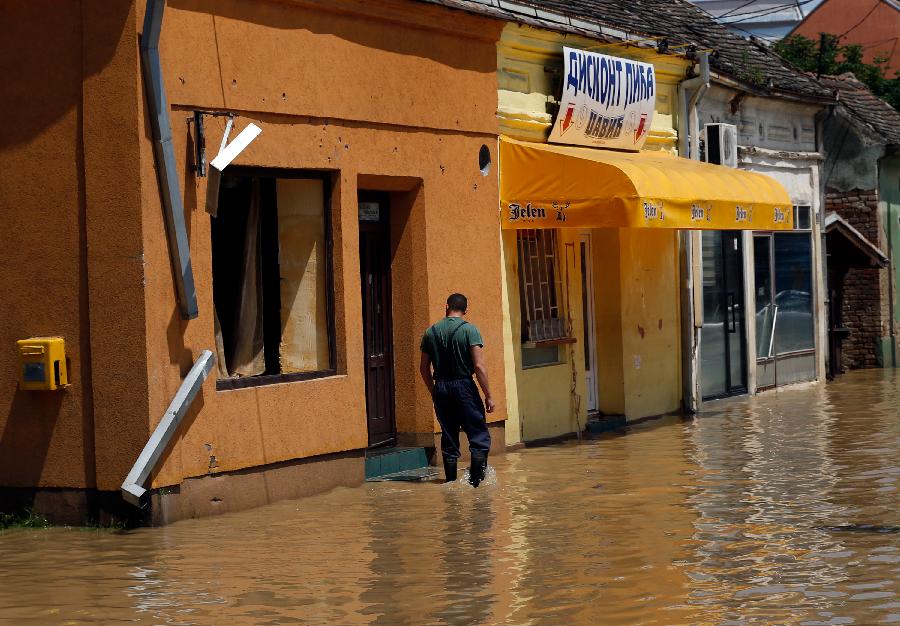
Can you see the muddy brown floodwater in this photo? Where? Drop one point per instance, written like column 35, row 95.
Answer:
column 782, row 509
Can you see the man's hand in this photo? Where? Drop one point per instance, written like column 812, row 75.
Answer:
column 425, row 372
column 477, row 354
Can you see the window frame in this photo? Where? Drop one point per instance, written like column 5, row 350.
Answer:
column 796, row 209
column 797, row 233
column 328, row 179
column 535, row 298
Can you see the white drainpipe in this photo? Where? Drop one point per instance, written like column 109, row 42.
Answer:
column 689, row 116
column 691, row 296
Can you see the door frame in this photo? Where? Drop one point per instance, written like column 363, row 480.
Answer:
column 592, row 386
column 771, row 359
column 383, row 226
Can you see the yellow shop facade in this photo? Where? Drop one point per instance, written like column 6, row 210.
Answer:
column 592, row 260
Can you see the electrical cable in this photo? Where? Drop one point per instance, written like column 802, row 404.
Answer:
column 769, row 10
column 870, row 44
column 865, row 17
column 750, row 15
column 746, row 17
column 713, row 17
column 736, row 9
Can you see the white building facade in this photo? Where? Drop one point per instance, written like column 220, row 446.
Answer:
column 763, row 322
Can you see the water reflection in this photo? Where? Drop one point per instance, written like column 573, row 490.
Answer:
column 779, row 509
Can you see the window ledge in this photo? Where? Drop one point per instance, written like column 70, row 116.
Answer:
column 544, row 343
column 231, row 384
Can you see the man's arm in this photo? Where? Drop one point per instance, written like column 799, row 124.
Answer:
column 477, row 353
column 425, row 371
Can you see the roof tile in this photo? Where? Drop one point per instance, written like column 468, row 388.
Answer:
column 865, row 107
column 747, row 61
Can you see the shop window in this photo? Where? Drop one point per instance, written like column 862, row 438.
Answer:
column 538, row 356
column 272, row 291
column 794, row 328
column 543, row 322
column 802, row 217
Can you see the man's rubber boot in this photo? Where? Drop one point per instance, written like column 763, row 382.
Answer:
column 478, row 468
column 450, row 470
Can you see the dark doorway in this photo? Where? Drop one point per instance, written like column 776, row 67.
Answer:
column 723, row 340
column 375, row 277
column 850, row 257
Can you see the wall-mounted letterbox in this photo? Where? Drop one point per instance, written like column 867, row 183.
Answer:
column 42, row 364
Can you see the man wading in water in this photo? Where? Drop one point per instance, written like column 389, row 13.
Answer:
column 454, row 349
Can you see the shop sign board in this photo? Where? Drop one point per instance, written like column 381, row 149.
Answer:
column 607, row 102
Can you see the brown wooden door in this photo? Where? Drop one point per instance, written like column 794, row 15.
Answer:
column 375, row 276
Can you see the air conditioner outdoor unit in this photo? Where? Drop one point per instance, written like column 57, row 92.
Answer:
column 720, row 141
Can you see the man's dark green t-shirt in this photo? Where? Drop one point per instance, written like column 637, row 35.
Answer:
column 465, row 336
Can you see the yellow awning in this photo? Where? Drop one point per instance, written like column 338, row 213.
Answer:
column 554, row 186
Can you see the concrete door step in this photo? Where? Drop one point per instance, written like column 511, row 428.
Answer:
column 386, row 461
column 606, row 423
column 412, row 475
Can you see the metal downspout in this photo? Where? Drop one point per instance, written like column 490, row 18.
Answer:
column 820, row 124
column 693, row 115
column 179, row 249
column 132, row 488
column 700, row 84
column 889, row 218
column 690, row 240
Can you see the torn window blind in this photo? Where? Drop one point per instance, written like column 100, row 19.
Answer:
column 237, row 279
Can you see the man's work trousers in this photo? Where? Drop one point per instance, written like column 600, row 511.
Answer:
column 458, row 405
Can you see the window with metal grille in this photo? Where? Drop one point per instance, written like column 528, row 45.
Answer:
column 539, row 286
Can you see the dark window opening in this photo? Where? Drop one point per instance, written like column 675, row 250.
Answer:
column 272, row 278
column 802, row 217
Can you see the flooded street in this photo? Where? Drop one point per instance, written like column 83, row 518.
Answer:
column 782, row 509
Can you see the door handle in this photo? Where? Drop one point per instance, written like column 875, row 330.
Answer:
column 732, row 321
column 772, row 336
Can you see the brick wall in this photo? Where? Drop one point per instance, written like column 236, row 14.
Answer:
column 865, row 307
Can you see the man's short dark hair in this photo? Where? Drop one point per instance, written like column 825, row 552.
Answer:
column 457, row 302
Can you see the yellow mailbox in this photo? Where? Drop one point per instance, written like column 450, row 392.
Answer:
column 43, row 364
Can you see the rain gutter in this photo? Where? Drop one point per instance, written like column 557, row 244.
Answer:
column 132, row 488
column 689, row 119
column 179, row 249
column 691, row 299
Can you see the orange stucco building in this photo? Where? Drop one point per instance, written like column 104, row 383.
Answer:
column 373, row 117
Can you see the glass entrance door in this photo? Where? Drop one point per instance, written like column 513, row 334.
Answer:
column 785, row 342
column 723, row 368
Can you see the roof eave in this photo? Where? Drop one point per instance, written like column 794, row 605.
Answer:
column 835, row 223
column 729, row 81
